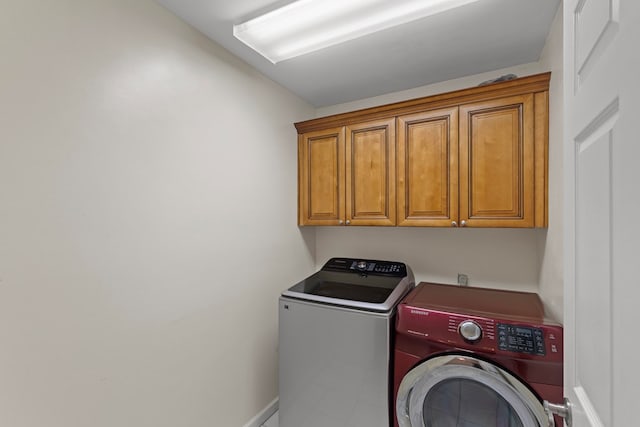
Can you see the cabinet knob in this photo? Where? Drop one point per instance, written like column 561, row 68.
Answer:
column 348, row 222
column 463, row 223
column 340, row 221
column 454, row 224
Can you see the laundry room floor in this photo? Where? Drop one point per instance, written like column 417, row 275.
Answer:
column 272, row 422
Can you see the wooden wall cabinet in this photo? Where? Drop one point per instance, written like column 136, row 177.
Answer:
column 428, row 168
column 321, row 177
column 497, row 163
column 347, row 175
column 470, row 158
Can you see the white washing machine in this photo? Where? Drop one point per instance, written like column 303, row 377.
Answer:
column 335, row 344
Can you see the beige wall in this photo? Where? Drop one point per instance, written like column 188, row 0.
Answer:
column 550, row 245
column 147, row 206
column 432, row 89
column 497, row 258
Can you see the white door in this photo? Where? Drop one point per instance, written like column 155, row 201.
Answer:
column 602, row 196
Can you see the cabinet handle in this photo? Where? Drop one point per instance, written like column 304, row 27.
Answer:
column 454, row 224
column 463, row 223
column 348, row 222
column 340, row 221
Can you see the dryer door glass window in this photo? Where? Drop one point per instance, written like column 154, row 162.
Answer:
column 462, row 391
column 462, row 402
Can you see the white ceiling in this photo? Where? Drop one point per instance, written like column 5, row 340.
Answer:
column 483, row 36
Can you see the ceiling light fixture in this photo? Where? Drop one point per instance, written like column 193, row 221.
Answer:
column 308, row 25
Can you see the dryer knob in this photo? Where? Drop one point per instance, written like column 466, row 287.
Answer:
column 470, row 330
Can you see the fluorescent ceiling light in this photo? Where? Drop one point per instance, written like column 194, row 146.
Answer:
column 308, row 25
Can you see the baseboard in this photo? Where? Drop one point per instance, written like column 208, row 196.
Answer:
column 264, row 415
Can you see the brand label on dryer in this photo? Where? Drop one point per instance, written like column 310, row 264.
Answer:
column 419, row 312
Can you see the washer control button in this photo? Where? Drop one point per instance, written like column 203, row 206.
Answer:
column 470, row 330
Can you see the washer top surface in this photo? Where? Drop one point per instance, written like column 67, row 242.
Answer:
column 521, row 306
column 370, row 285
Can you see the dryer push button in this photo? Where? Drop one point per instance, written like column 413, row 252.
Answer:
column 470, row 331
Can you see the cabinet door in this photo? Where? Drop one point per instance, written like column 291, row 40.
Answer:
column 370, row 173
column 428, row 168
column 321, row 177
column 497, row 163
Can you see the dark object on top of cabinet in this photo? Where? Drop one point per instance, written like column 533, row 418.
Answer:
column 503, row 78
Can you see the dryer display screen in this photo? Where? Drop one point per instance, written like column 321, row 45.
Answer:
column 520, row 339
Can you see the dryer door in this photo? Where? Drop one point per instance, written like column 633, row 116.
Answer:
column 462, row 391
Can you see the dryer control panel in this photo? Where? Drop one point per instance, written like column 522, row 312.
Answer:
column 436, row 317
column 481, row 334
column 521, row 339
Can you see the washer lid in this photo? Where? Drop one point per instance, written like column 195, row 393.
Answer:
column 365, row 284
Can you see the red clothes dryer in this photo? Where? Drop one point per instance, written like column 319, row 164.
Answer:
column 475, row 357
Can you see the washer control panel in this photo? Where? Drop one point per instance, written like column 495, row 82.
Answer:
column 521, row 339
column 366, row 266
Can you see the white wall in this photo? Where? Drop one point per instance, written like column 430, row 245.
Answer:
column 147, row 206
column 497, row 258
column 550, row 244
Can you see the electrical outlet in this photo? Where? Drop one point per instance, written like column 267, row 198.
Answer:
column 463, row 279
